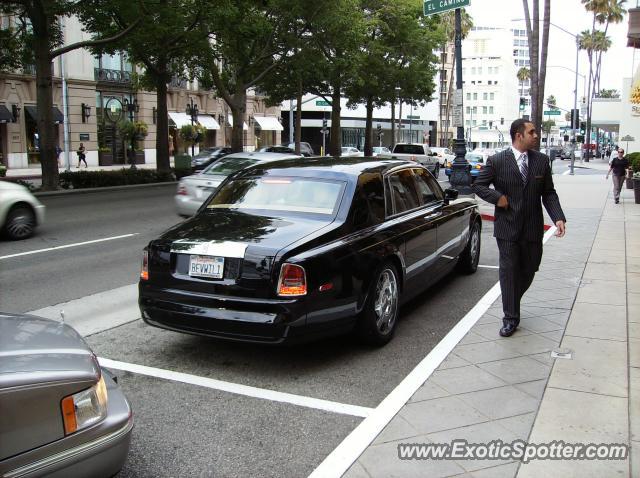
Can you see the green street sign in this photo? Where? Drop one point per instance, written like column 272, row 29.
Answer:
column 432, row 7
column 413, row 117
column 322, row 103
column 552, row 112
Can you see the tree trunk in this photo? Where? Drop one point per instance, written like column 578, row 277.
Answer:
column 298, row 136
column 44, row 98
column 587, row 132
column 543, row 61
column 163, row 163
column 440, row 115
column 393, row 124
column 368, row 128
column 335, row 144
column 238, row 110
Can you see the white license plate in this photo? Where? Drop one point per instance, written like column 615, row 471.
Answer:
column 206, row 266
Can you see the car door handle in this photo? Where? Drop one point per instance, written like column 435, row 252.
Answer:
column 432, row 215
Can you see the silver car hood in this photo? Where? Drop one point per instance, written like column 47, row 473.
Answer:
column 36, row 350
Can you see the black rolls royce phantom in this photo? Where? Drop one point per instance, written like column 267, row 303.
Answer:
column 303, row 248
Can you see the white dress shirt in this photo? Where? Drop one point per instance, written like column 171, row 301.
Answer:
column 519, row 157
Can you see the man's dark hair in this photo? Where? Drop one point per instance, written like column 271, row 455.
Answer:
column 518, row 126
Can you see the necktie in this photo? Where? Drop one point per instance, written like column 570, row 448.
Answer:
column 524, row 168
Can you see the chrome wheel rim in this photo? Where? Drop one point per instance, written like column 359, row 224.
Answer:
column 475, row 245
column 21, row 225
column 386, row 302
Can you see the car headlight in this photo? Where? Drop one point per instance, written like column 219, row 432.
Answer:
column 85, row 408
column 478, row 166
column 448, row 164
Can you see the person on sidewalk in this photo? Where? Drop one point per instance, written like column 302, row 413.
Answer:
column 81, row 155
column 618, row 167
column 522, row 179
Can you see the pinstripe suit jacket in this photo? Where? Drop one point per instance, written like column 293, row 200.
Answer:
column 522, row 220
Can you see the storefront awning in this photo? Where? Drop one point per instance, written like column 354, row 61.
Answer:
column 230, row 121
column 5, row 115
column 268, row 123
column 32, row 111
column 180, row 119
column 208, row 122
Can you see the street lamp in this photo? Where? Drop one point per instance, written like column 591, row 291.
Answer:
column 398, row 135
column 192, row 110
column 132, row 107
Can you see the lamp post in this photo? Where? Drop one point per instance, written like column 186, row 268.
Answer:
column 132, row 107
column 192, row 110
column 460, row 169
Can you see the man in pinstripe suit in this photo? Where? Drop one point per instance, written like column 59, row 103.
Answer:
column 521, row 178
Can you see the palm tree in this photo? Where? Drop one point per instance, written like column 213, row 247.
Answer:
column 448, row 24
column 523, row 75
column 613, row 13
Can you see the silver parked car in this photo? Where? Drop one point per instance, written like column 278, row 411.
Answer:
column 20, row 211
column 62, row 415
column 194, row 189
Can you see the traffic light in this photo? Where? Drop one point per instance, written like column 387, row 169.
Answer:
column 379, row 131
column 502, row 121
column 324, row 123
column 523, row 103
column 583, row 127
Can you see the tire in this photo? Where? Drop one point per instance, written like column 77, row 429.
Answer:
column 468, row 260
column 21, row 223
column 378, row 320
column 436, row 170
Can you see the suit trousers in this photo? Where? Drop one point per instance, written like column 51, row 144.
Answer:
column 519, row 261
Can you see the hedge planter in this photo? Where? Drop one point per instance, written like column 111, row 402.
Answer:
column 629, row 181
column 105, row 159
column 636, row 189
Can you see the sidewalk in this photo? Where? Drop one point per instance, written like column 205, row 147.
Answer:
column 585, row 304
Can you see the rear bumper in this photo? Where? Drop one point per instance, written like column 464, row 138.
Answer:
column 100, row 451
column 187, row 205
column 235, row 319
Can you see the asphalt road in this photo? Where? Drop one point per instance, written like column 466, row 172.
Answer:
column 192, row 430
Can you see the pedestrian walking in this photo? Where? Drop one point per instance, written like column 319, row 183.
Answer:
column 81, row 155
column 522, row 182
column 618, row 169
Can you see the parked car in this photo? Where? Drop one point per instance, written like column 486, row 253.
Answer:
column 193, row 190
column 420, row 153
column 477, row 160
column 444, row 155
column 305, row 148
column 20, row 211
column 351, row 151
column 205, row 157
column 295, row 250
column 380, row 150
column 276, row 149
column 62, row 414
column 566, row 152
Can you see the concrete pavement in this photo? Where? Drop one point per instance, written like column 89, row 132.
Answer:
column 571, row 371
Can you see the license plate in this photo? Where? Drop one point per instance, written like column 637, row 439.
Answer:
column 206, row 266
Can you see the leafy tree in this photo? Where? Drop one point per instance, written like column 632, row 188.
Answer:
column 248, row 40
column 171, row 38
column 382, row 66
column 604, row 93
column 523, row 75
column 36, row 36
column 551, row 102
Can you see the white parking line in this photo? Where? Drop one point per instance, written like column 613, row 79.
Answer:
column 347, row 452
column 68, row 245
column 309, row 402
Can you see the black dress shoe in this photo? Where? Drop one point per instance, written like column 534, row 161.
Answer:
column 507, row 330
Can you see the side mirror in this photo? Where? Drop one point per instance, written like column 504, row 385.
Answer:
column 450, row 194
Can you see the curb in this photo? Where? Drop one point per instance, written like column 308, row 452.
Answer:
column 62, row 192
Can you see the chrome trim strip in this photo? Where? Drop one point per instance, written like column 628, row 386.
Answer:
column 212, row 248
column 71, row 453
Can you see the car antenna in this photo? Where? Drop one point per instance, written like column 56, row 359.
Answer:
column 62, row 316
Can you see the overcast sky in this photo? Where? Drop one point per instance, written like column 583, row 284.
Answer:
column 618, row 62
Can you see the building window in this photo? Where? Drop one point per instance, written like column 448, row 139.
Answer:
column 468, row 109
column 491, row 96
column 490, row 110
column 485, row 96
column 469, row 96
column 475, row 110
column 489, row 82
column 474, row 122
column 468, row 123
column 479, row 70
column 475, row 96
column 473, row 70
column 484, row 110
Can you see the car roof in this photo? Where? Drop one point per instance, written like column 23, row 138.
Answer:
column 328, row 167
column 261, row 155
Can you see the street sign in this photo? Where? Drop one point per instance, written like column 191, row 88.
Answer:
column 552, row 112
column 432, row 7
column 457, row 117
column 413, row 117
column 322, row 103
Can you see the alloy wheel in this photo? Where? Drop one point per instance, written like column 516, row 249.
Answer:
column 386, row 302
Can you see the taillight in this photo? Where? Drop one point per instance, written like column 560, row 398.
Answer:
column 293, row 281
column 182, row 190
column 144, row 271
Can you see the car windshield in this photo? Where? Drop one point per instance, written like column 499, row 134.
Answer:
column 227, row 166
column 305, row 195
column 408, row 149
column 474, row 157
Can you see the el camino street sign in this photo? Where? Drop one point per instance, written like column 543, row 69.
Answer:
column 438, row 6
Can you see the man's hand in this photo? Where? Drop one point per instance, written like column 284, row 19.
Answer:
column 561, row 229
column 503, row 202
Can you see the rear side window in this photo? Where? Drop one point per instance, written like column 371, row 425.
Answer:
column 403, row 191
column 409, row 149
column 427, row 186
column 368, row 207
